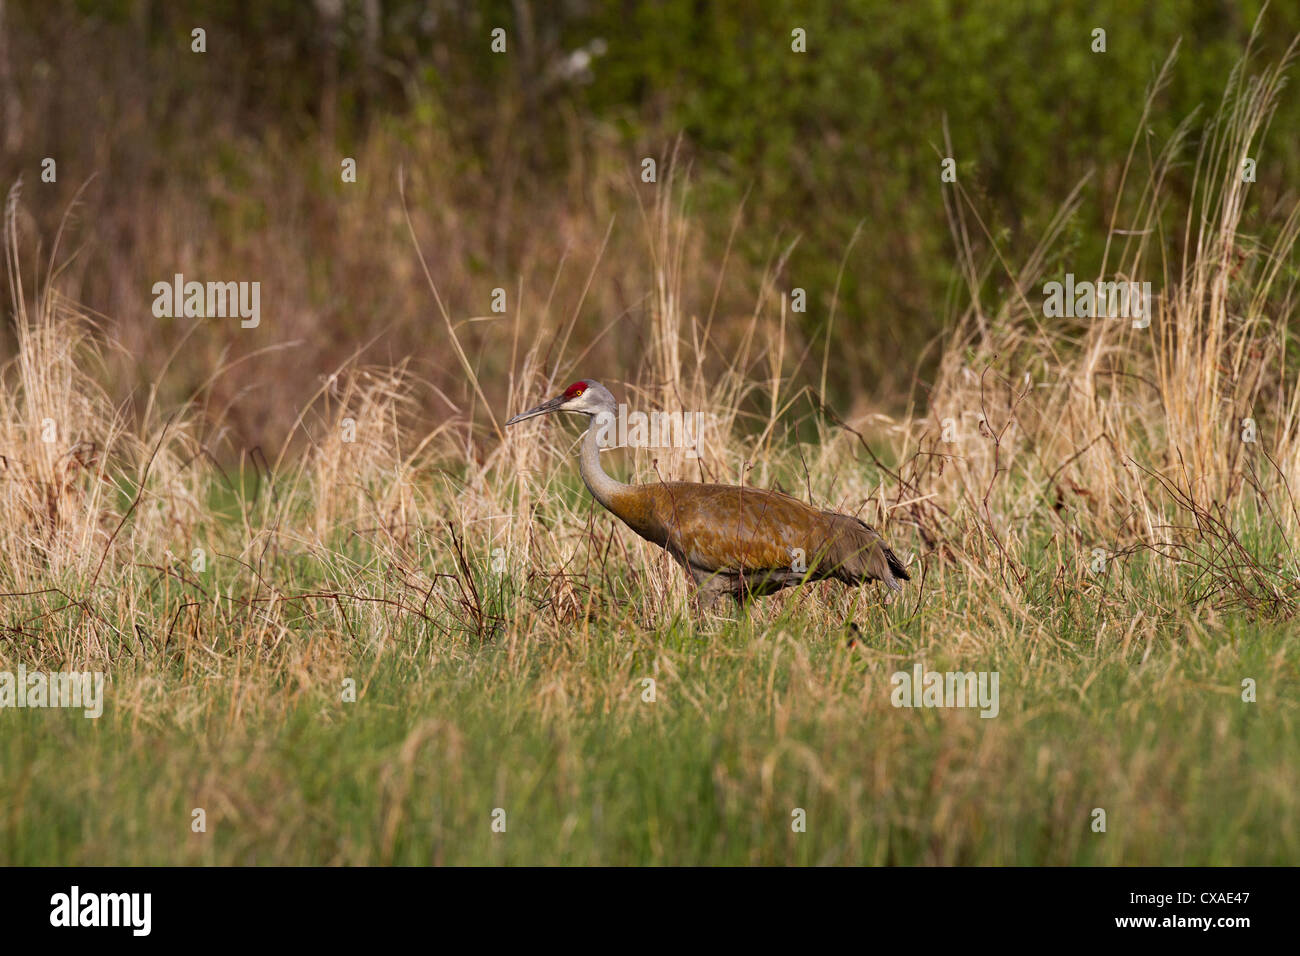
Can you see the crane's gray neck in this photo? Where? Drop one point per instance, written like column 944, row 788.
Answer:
column 602, row 487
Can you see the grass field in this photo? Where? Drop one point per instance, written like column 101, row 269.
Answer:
column 1081, row 505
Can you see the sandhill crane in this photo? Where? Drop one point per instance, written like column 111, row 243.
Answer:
column 731, row 540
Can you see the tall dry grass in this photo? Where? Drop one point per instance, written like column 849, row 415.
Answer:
column 1092, row 436
column 81, row 477
column 1130, row 439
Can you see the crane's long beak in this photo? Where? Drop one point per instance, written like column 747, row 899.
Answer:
column 552, row 406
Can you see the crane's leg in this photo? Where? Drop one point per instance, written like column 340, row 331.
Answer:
column 710, row 589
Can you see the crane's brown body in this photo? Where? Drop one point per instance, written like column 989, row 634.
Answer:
column 731, row 540
column 747, row 541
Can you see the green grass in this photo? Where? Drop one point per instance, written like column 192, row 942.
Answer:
column 753, row 718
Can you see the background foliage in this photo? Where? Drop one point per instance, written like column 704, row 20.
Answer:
column 225, row 164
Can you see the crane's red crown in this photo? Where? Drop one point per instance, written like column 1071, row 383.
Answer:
column 576, row 389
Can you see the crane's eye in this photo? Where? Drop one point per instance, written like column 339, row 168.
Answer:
column 576, row 389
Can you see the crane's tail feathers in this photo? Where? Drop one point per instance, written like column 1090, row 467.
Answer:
column 883, row 565
column 896, row 566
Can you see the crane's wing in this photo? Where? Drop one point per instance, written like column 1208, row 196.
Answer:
column 725, row 529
